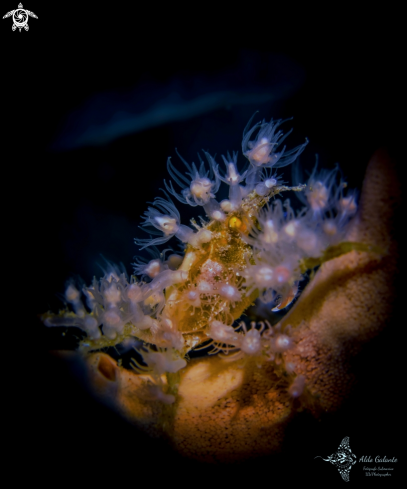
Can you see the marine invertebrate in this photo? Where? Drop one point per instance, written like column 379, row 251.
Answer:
column 240, row 254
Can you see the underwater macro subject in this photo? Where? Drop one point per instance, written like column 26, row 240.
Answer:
column 329, row 264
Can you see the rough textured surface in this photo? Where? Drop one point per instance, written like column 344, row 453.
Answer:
column 244, row 413
column 232, row 411
column 352, row 296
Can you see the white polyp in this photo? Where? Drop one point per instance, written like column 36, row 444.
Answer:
column 134, row 293
column 192, row 295
column 290, row 229
column 193, row 298
column 146, row 322
column 251, row 343
column 204, row 236
column 230, row 292
column 269, row 224
column 270, row 183
column 232, row 176
column 348, row 205
column 167, row 324
column 162, row 362
column 282, row 343
column 167, row 224
column 264, row 276
column 153, row 268
column 90, row 298
column 318, row 196
column 112, row 295
column 112, row 275
column 112, row 324
column 263, row 188
column 297, row 387
column 227, row 206
column 260, row 153
column 201, row 189
column 220, row 332
column 90, row 325
column 72, row 294
column 112, row 318
column 218, row 215
column 330, row 227
column 270, row 236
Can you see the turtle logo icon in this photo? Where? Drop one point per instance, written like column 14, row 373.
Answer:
column 20, row 17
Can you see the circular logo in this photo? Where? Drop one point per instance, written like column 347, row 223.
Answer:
column 20, row 18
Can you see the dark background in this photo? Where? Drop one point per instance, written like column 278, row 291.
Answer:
column 338, row 73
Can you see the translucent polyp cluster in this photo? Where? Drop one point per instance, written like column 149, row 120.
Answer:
column 250, row 246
